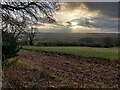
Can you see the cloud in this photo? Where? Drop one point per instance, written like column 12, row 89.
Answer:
column 71, row 5
column 103, row 23
column 90, row 17
column 82, row 21
column 106, row 8
column 72, row 10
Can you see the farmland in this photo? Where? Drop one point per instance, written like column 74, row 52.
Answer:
column 37, row 67
column 63, row 67
column 111, row 53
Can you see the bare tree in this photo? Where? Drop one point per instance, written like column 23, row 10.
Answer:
column 16, row 15
column 30, row 35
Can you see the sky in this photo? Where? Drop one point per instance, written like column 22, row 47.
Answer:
column 87, row 17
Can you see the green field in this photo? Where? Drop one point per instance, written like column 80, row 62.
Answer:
column 111, row 53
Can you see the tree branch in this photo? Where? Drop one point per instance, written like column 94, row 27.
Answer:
column 6, row 6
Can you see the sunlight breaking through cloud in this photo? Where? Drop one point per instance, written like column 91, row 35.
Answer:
column 82, row 17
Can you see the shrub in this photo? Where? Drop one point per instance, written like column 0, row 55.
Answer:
column 10, row 45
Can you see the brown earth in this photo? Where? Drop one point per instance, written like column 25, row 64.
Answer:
column 40, row 69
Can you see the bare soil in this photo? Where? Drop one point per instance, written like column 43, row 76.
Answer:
column 40, row 69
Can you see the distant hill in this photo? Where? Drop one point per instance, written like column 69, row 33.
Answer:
column 68, row 37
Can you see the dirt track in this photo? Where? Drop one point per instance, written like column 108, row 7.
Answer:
column 53, row 70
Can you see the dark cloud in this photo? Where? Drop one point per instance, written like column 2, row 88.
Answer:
column 105, row 8
column 104, row 23
column 97, row 22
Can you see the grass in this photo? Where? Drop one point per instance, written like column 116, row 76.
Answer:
column 111, row 53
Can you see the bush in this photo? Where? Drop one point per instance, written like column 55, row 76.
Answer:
column 10, row 45
column 108, row 42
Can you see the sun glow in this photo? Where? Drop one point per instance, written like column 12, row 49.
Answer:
column 74, row 23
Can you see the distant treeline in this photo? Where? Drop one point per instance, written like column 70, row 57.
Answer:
column 86, row 41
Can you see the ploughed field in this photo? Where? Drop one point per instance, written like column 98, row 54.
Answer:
column 37, row 67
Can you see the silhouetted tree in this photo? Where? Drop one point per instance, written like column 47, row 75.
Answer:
column 17, row 15
column 31, row 35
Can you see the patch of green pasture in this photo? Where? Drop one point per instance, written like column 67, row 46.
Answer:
column 111, row 53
